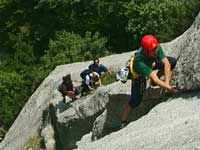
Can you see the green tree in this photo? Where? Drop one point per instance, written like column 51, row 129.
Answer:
column 166, row 19
column 68, row 47
column 11, row 102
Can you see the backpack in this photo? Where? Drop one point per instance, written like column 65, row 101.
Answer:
column 122, row 74
column 125, row 73
column 84, row 73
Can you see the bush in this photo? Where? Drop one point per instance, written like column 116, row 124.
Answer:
column 2, row 133
column 12, row 96
column 107, row 78
column 68, row 48
column 34, row 143
column 166, row 19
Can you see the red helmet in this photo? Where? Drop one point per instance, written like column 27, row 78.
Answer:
column 149, row 42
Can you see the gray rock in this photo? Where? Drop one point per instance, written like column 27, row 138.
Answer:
column 170, row 125
column 98, row 126
column 48, row 136
column 186, row 49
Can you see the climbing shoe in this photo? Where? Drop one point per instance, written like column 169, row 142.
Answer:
column 64, row 100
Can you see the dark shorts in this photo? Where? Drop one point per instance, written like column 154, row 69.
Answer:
column 138, row 85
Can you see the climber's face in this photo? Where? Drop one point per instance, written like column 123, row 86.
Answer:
column 96, row 62
column 153, row 53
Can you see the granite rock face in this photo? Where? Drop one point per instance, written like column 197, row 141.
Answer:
column 186, row 49
column 173, row 124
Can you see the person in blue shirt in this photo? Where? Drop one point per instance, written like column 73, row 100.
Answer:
column 97, row 67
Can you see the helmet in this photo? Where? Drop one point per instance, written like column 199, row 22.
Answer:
column 149, row 42
column 95, row 76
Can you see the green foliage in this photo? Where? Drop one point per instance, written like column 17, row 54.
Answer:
column 69, row 47
column 23, row 54
column 166, row 19
column 2, row 133
column 107, row 78
column 11, row 89
column 38, row 21
column 15, row 88
column 34, row 143
column 105, row 16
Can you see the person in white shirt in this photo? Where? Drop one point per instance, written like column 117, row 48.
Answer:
column 89, row 81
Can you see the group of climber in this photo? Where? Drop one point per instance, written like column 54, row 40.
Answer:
column 90, row 80
column 149, row 57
